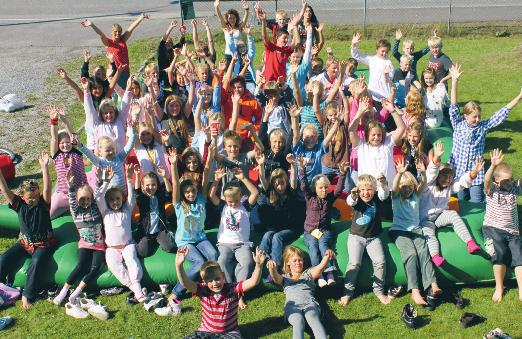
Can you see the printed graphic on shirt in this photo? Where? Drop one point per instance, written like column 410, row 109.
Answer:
column 191, row 224
column 367, row 215
column 435, row 66
column 232, row 219
column 309, row 163
column 90, row 235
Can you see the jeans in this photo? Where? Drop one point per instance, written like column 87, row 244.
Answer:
column 10, row 258
column 243, row 255
column 273, row 243
column 474, row 194
column 356, row 247
column 197, row 254
column 332, row 172
column 317, row 248
column 149, row 243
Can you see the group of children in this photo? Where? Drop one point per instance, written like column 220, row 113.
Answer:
column 242, row 148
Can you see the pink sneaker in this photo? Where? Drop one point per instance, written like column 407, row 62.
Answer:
column 472, row 246
column 438, row 260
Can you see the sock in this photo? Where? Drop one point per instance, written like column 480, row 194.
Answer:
column 59, row 298
column 73, row 298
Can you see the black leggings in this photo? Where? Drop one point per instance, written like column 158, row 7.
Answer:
column 89, row 266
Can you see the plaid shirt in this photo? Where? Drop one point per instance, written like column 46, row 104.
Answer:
column 468, row 142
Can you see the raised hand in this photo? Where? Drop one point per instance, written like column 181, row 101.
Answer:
column 99, row 173
column 271, row 265
column 216, row 3
column 204, row 22
column 259, row 257
column 246, row 60
column 181, row 254
column 173, row 155
column 137, row 171
column 235, row 98
column 354, row 193
column 238, row 173
column 129, row 168
column 295, row 111
column 145, row 16
column 222, row 65
column 290, row 158
column 173, row 24
column 61, row 73
column 381, row 178
column 260, row 158
column 247, row 29
column 219, row 173
column 329, row 254
column 478, row 164
column 85, row 83
column 398, row 34
column 43, row 159
column 86, row 22
column 496, row 157
column 388, row 105
column 244, row 4
column 455, row 71
column 356, row 38
column 87, row 56
column 401, row 166
column 301, row 164
column 316, row 89
column 320, row 27
column 194, row 22
column 438, row 150
column 110, row 56
column 270, row 106
column 108, row 174
column 53, row 112
column 343, row 167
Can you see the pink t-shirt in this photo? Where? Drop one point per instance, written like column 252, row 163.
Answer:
column 120, row 52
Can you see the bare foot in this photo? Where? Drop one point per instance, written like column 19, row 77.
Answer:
column 383, row 299
column 344, row 300
column 497, row 296
column 25, row 303
column 417, row 297
column 242, row 304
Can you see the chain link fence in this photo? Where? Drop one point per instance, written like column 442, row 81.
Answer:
column 451, row 15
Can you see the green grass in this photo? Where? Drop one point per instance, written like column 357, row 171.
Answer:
column 492, row 76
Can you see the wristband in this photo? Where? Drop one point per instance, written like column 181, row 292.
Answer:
column 53, row 122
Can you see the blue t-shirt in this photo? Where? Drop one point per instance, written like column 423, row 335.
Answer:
column 312, row 158
column 405, row 212
column 191, row 224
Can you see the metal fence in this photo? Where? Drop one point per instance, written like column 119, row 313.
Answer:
column 448, row 13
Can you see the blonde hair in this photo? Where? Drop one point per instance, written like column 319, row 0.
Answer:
column 217, row 116
column 150, row 68
column 338, row 138
column 113, row 190
column 371, row 125
column 502, row 168
column 28, row 186
column 408, row 42
column 415, row 105
column 406, row 58
column 232, row 192
column 331, row 61
column 107, row 102
column 310, row 127
column 471, row 107
column 117, row 28
column 201, row 66
column 282, row 13
column 105, row 140
column 278, row 133
column 367, row 179
column 318, row 179
column 434, row 42
column 85, row 188
column 289, row 252
column 408, row 178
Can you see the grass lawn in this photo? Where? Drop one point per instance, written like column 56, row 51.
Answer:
column 492, row 75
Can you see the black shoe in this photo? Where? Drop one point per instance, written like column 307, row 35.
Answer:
column 470, row 319
column 395, row 291
column 460, row 303
column 409, row 316
column 432, row 300
column 131, row 299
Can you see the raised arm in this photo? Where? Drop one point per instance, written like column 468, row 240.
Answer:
column 321, row 36
column 316, row 103
column 260, row 159
column 396, row 53
column 184, row 280
column 210, row 39
column 296, row 89
column 262, row 17
column 317, row 271
column 172, row 25
column 401, row 169
column 53, row 121
column 496, row 158
column 89, row 23
column 331, row 133
column 455, row 74
column 206, row 170
column 246, row 9
column 293, row 170
column 255, row 278
column 515, row 101
column 43, row 160
column 338, row 81
column 399, row 131
column 257, row 141
column 295, row 111
column 230, row 72
column 127, row 34
column 77, row 90
column 222, row 21
column 352, row 128
column 274, row 273
column 173, row 160
column 235, row 111
column 356, row 54
column 421, row 170
column 252, row 198
column 213, row 194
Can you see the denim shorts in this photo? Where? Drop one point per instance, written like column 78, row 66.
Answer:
column 502, row 247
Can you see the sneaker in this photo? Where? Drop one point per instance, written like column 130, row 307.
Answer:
column 111, row 291
column 438, row 260
column 164, row 288
column 471, row 319
column 131, row 299
column 153, row 301
column 86, row 303
column 321, row 282
column 75, row 311
column 472, row 246
column 172, row 309
column 5, row 322
column 497, row 333
column 409, row 316
column 98, row 311
column 394, row 291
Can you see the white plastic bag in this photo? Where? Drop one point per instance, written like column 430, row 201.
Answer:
column 11, row 102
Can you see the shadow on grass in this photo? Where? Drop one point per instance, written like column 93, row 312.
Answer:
column 262, row 327
column 503, row 143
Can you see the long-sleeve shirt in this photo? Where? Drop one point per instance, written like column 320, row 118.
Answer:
column 117, row 163
column 379, row 84
column 88, row 222
column 468, row 141
column 303, row 71
column 432, row 200
column 118, row 231
column 318, row 211
column 416, row 56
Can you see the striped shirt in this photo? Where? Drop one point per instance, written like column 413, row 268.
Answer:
column 72, row 160
column 468, row 142
column 219, row 312
column 501, row 208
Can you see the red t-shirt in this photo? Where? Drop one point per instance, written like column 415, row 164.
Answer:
column 219, row 312
column 120, row 52
column 275, row 60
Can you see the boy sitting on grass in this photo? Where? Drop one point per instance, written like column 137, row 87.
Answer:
column 219, row 299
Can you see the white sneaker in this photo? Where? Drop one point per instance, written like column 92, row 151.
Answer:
column 87, row 303
column 164, row 288
column 172, row 309
column 321, row 282
column 98, row 311
column 75, row 311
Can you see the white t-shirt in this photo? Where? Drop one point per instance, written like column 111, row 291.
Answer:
column 376, row 159
column 234, row 226
column 378, row 85
column 435, row 101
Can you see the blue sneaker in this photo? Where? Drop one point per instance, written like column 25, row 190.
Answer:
column 5, row 322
